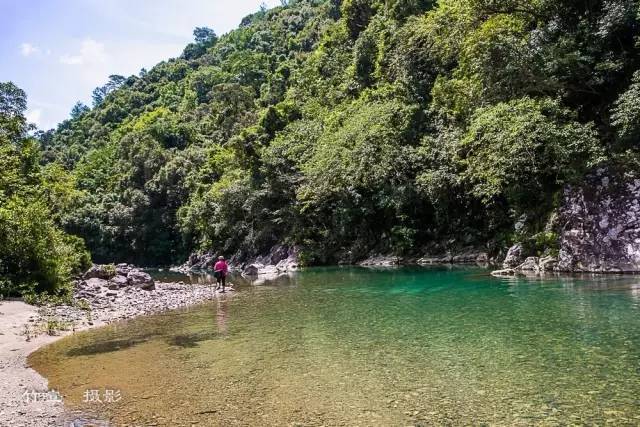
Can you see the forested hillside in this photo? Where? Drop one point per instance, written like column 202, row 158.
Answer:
column 350, row 127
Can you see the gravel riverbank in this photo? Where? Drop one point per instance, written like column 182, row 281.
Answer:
column 25, row 399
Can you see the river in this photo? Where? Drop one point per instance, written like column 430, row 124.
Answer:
column 355, row 346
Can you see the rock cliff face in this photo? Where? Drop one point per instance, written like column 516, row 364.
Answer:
column 600, row 225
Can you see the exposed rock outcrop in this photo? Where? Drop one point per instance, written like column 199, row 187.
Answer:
column 381, row 261
column 600, row 225
column 467, row 256
column 515, row 256
column 531, row 266
column 279, row 260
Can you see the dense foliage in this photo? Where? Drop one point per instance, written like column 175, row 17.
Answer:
column 354, row 126
column 36, row 255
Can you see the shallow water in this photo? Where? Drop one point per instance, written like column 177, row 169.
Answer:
column 351, row 346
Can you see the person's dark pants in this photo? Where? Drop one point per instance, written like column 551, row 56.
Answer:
column 222, row 281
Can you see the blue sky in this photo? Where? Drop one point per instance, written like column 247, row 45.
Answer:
column 59, row 50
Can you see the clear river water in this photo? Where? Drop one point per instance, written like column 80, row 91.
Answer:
column 355, row 346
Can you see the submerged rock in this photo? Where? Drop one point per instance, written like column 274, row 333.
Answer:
column 435, row 259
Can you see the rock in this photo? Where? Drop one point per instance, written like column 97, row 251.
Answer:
column 105, row 272
column 380, row 261
column 435, row 259
column 252, row 269
column 530, row 264
column 119, row 281
column 95, row 283
column 123, row 269
column 504, row 272
column 548, row 263
column 600, row 224
column 470, row 256
column 515, row 256
column 140, row 279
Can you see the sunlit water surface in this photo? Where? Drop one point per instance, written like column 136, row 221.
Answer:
column 351, row 346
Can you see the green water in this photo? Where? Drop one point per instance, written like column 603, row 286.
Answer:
column 349, row 346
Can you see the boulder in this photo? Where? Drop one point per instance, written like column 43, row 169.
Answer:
column 515, row 256
column 119, row 281
column 123, row 269
column 506, row 272
column 104, row 272
column 435, row 259
column 548, row 263
column 530, row 264
column 380, row 261
column 141, row 280
column 600, row 224
column 252, row 269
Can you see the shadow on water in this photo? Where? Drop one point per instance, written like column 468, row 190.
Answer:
column 192, row 340
column 105, row 347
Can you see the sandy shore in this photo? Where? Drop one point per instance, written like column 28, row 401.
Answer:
column 25, row 399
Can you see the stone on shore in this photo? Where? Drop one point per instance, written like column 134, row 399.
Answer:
column 119, row 281
column 104, row 272
column 141, row 280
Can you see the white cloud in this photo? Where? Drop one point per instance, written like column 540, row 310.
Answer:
column 27, row 49
column 91, row 52
column 34, row 116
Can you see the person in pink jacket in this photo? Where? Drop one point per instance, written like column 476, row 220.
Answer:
column 220, row 270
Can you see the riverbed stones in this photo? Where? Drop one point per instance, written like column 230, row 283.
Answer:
column 119, row 281
column 95, row 283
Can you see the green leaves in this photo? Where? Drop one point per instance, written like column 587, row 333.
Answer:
column 626, row 112
column 524, row 147
column 346, row 126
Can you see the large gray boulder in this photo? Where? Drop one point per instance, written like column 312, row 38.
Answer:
column 515, row 257
column 141, row 280
column 600, row 224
